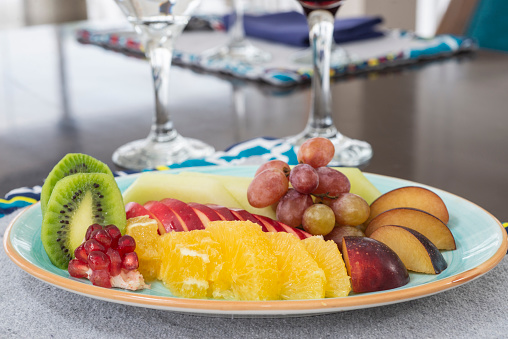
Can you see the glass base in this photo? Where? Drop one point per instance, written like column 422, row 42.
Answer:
column 348, row 152
column 240, row 51
column 147, row 153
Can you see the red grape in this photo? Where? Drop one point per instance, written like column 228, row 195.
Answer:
column 291, row 207
column 340, row 232
column 318, row 219
column 316, row 152
column 304, row 178
column 350, row 209
column 279, row 164
column 267, row 188
column 331, row 183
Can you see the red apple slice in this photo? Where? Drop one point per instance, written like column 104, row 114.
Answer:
column 188, row 218
column 372, row 265
column 205, row 213
column 166, row 216
column 133, row 209
column 223, row 212
column 276, row 226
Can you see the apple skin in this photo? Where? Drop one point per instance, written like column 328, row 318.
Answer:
column 417, row 252
column 277, row 226
column 165, row 215
column 133, row 209
column 410, row 196
column 188, row 218
column 205, row 213
column 423, row 222
column 223, row 212
column 372, row 265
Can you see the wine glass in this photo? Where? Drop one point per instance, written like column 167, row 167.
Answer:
column 348, row 152
column 238, row 47
column 159, row 23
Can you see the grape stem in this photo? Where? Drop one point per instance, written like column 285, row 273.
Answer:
column 325, row 195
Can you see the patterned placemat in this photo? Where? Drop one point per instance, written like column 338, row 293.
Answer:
column 382, row 50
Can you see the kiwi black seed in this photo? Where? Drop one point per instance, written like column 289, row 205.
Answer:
column 70, row 164
column 78, row 201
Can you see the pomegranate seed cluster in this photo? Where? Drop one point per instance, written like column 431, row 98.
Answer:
column 104, row 254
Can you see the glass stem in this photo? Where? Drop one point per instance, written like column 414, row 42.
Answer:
column 161, row 55
column 236, row 28
column 321, row 25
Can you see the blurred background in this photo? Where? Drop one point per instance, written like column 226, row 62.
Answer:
column 421, row 16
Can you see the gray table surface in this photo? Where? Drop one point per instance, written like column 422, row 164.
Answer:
column 30, row 308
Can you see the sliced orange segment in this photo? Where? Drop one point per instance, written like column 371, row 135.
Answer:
column 329, row 259
column 190, row 262
column 249, row 271
column 301, row 277
column 144, row 231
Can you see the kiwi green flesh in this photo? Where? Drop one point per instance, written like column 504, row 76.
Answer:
column 72, row 163
column 78, row 201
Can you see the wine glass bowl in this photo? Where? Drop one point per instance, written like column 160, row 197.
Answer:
column 348, row 152
column 159, row 23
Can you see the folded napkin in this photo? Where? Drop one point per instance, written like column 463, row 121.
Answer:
column 291, row 28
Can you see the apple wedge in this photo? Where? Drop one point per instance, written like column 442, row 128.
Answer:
column 223, row 212
column 165, row 215
column 188, row 218
column 372, row 265
column 133, row 209
column 205, row 213
column 423, row 222
column 416, row 251
column 410, row 196
column 276, row 226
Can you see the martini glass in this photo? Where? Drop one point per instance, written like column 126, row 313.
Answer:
column 238, row 47
column 159, row 23
column 348, row 152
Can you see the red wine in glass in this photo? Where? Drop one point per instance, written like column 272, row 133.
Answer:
column 331, row 6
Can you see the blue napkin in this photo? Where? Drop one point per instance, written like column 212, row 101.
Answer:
column 291, row 28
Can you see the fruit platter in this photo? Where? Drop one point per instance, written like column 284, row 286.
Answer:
column 465, row 240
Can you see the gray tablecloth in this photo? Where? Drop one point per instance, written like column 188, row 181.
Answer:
column 30, row 308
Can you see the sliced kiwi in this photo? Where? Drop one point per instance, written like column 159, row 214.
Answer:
column 72, row 163
column 78, row 201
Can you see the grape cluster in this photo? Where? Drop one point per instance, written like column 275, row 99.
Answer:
column 310, row 195
column 103, row 254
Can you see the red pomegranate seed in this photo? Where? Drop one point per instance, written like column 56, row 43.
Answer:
column 93, row 245
column 103, row 237
column 98, row 260
column 80, row 253
column 91, row 229
column 101, row 278
column 114, row 233
column 126, row 244
column 116, row 262
column 130, row 261
column 77, row 268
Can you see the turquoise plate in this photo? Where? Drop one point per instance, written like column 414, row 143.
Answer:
column 481, row 244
